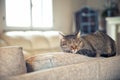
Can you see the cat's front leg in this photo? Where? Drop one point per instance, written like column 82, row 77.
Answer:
column 87, row 52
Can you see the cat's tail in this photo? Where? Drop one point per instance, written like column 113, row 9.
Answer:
column 86, row 52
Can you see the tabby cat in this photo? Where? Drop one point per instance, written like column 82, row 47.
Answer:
column 93, row 45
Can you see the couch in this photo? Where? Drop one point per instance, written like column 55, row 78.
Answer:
column 45, row 61
column 32, row 42
column 65, row 66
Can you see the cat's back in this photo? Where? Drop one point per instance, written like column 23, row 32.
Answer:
column 100, row 42
column 97, row 36
column 98, row 39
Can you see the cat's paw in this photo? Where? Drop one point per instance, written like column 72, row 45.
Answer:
column 87, row 52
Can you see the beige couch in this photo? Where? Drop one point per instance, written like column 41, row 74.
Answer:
column 53, row 65
column 64, row 66
column 33, row 42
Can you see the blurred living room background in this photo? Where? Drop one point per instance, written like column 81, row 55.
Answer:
column 34, row 24
column 50, row 14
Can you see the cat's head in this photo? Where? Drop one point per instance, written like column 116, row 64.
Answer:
column 70, row 43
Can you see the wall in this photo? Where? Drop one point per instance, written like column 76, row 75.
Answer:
column 1, row 16
column 64, row 12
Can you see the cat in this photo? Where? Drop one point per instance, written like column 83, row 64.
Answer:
column 97, row 44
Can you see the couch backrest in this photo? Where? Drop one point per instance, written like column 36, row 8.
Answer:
column 30, row 39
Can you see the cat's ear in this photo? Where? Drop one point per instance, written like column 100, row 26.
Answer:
column 78, row 34
column 61, row 35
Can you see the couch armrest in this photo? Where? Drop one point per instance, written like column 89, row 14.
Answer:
column 101, row 69
column 54, row 59
column 11, row 61
column 82, row 71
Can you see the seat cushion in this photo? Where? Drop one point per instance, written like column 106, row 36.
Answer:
column 15, row 38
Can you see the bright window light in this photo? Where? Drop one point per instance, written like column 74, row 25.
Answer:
column 42, row 13
column 29, row 13
column 18, row 13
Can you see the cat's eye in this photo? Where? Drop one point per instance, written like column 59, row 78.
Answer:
column 75, row 46
column 78, row 42
column 64, row 43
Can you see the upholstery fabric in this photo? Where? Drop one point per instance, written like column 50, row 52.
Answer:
column 11, row 61
column 100, row 69
column 32, row 42
column 53, row 66
column 56, row 59
column 12, row 67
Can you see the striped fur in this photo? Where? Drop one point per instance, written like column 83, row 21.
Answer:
column 95, row 44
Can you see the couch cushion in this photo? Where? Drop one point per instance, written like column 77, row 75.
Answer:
column 37, row 39
column 16, row 38
column 11, row 61
column 53, row 38
column 45, row 40
column 50, row 60
column 109, row 68
column 32, row 42
column 31, row 39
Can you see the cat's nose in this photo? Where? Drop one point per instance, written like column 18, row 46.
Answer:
column 73, row 47
column 74, row 50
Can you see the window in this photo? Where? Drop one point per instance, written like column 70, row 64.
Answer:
column 29, row 14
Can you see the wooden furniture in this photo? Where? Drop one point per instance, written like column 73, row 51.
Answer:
column 113, row 29
column 86, row 20
column 113, row 24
